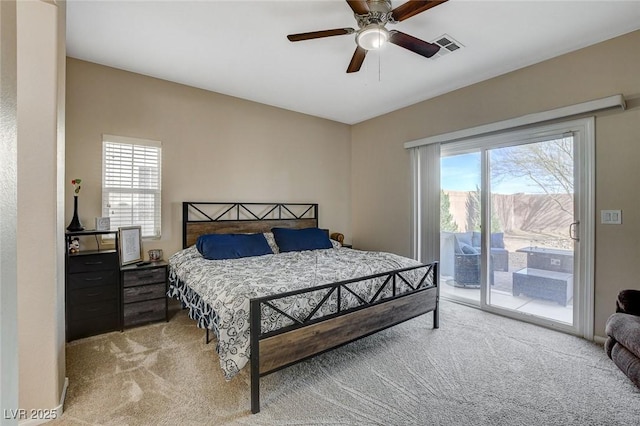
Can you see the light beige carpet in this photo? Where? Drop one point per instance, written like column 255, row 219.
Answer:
column 477, row 369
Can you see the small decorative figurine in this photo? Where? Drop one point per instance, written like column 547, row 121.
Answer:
column 74, row 246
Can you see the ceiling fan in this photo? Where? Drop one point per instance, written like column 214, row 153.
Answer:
column 372, row 16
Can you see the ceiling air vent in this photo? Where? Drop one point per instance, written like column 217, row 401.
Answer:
column 447, row 45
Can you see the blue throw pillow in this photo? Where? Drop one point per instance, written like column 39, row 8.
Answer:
column 467, row 249
column 301, row 239
column 462, row 238
column 232, row 246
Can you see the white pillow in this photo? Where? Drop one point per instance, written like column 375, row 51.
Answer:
column 272, row 242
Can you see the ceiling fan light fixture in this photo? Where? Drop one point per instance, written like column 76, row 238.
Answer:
column 372, row 37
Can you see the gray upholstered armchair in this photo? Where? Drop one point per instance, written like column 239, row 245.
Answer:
column 623, row 334
column 466, row 271
column 467, row 258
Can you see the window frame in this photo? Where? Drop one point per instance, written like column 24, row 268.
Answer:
column 583, row 131
column 156, row 192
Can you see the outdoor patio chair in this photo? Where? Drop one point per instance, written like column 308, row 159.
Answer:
column 466, row 265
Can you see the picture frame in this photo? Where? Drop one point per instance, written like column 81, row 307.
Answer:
column 130, row 244
column 103, row 223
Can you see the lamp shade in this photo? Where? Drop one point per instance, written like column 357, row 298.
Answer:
column 372, row 37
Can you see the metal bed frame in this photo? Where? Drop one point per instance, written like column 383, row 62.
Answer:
column 304, row 338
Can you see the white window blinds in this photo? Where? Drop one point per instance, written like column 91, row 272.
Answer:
column 131, row 183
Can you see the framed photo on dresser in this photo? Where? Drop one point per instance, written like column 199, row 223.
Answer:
column 130, row 247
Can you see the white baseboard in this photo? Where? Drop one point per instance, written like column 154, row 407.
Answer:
column 63, row 396
column 55, row 412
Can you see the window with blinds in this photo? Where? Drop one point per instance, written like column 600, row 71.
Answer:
column 131, row 183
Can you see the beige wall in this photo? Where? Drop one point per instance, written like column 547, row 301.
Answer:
column 217, row 147
column 380, row 164
column 40, row 283
column 61, row 89
column 8, row 207
column 214, row 147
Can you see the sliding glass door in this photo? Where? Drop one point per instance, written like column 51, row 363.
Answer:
column 532, row 221
column 510, row 225
column 532, row 216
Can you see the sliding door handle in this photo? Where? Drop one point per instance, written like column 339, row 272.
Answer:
column 573, row 231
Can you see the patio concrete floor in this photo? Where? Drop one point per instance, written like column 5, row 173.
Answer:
column 501, row 297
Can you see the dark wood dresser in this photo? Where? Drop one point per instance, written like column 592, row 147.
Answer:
column 144, row 293
column 92, row 289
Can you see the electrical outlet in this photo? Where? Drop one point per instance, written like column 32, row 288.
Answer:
column 611, row 217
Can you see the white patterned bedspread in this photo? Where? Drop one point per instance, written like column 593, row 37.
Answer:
column 217, row 292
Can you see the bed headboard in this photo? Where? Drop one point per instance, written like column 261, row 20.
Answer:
column 199, row 218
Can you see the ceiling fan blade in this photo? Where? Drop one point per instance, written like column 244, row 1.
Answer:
column 359, row 7
column 413, row 44
column 320, row 34
column 357, row 60
column 411, row 8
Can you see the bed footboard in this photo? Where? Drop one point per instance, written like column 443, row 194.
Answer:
column 304, row 338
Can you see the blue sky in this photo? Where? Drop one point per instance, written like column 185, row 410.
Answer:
column 462, row 173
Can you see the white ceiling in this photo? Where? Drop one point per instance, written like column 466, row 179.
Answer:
column 239, row 48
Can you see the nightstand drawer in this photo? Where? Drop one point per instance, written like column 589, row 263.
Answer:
column 144, row 276
column 92, row 295
column 145, row 292
column 92, row 279
column 151, row 310
column 91, row 310
column 92, row 262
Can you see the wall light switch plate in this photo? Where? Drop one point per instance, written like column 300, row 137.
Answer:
column 611, row 217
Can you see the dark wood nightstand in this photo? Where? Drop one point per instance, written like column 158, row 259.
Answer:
column 92, row 288
column 144, row 293
column 347, row 246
